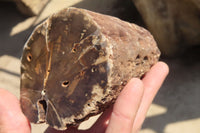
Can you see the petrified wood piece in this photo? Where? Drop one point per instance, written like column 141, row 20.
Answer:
column 76, row 62
column 175, row 24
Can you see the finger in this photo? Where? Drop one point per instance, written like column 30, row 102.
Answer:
column 125, row 108
column 102, row 122
column 152, row 82
column 11, row 117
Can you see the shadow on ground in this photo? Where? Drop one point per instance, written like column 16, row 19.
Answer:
column 11, row 17
column 179, row 93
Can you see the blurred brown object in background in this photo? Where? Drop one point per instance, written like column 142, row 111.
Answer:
column 31, row 7
column 175, row 24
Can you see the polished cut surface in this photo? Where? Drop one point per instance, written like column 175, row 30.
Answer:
column 75, row 64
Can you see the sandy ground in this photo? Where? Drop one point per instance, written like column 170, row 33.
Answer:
column 176, row 108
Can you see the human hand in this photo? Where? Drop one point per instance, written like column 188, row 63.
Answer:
column 127, row 114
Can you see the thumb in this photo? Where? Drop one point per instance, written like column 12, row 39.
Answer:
column 12, row 120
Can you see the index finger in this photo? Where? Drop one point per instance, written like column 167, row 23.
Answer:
column 152, row 82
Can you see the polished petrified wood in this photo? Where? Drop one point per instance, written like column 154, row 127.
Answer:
column 76, row 62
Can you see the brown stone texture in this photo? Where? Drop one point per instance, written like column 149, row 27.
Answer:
column 75, row 64
column 31, row 7
column 175, row 24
